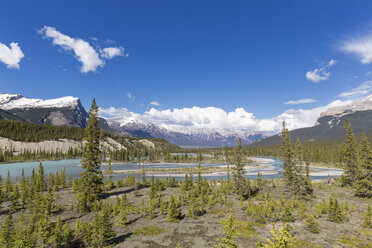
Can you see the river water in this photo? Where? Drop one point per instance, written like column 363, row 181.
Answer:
column 268, row 167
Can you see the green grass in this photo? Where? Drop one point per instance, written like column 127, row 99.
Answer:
column 150, row 230
column 350, row 241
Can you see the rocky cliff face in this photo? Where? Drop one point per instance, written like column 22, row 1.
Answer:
column 65, row 111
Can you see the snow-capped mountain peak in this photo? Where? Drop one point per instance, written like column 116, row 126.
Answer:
column 183, row 136
column 362, row 104
column 128, row 121
column 17, row 101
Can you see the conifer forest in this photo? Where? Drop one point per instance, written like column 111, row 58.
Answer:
column 94, row 210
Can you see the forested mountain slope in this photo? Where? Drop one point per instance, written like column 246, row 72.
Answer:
column 28, row 132
column 328, row 128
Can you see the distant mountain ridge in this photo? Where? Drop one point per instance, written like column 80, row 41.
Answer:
column 68, row 111
column 4, row 115
column 331, row 123
column 65, row 111
column 186, row 137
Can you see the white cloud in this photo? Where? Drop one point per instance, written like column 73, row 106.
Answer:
column 111, row 111
column 361, row 47
column 83, row 51
column 130, row 96
column 301, row 101
column 155, row 103
column 111, row 52
column 213, row 117
column 11, row 56
column 363, row 89
column 320, row 74
column 299, row 118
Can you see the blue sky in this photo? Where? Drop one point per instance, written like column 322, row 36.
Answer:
column 253, row 55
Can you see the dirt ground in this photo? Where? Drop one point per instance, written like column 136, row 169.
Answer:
column 206, row 230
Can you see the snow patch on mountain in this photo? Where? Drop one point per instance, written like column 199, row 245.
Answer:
column 184, row 136
column 17, row 101
column 362, row 104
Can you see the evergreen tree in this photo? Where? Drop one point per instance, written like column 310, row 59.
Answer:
column 288, row 158
column 24, row 234
column 287, row 215
column 109, row 170
column 298, row 151
column 239, row 171
column 143, row 176
column 58, row 238
column 102, row 231
column 199, row 179
column 335, row 213
column 363, row 184
column 229, row 228
column 40, row 183
column 306, row 154
column 367, row 222
column 8, row 187
column 122, row 217
column 7, row 233
column 109, row 173
column 174, row 214
column 350, row 158
column 91, row 180
column 293, row 172
column 312, row 225
column 282, row 239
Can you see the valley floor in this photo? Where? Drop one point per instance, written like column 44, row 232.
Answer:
column 206, row 230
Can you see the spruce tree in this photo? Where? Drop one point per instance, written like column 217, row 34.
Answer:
column 335, row 213
column 298, row 180
column 306, row 153
column 199, row 179
column 40, row 183
column 349, row 158
column 58, row 238
column 287, row 215
column 282, row 239
column 7, row 233
column 102, row 231
column 288, row 158
column 363, row 184
column 109, row 173
column 173, row 212
column 230, row 233
column 91, row 180
column 312, row 225
column 299, row 151
column 367, row 222
column 24, row 234
column 241, row 186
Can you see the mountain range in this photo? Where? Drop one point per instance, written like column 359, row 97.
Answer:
column 68, row 111
column 185, row 137
column 330, row 126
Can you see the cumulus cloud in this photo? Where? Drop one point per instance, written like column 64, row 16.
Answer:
column 111, row 52
column 11, row 56
column 116, row 112
column 320, row 74
column 217, row 118
column 363, row 89
column 301, row 101
column 155, row 103
column 361, row 47
column 299, row 118
column 89, row 57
